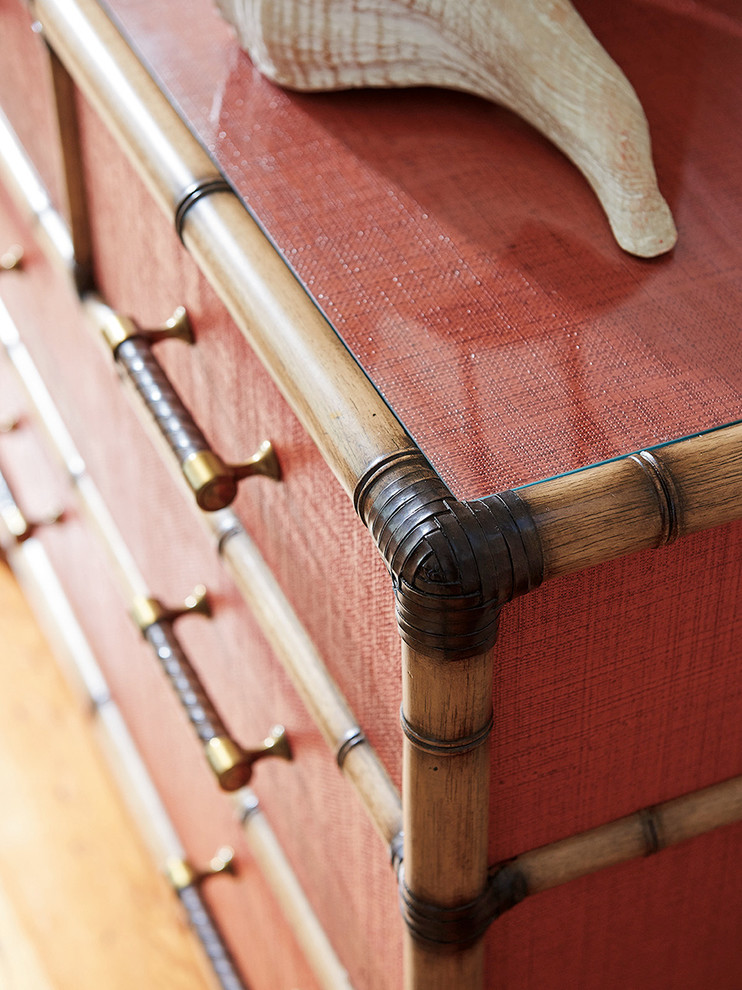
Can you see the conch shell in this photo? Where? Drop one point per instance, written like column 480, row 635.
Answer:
column 535, row 57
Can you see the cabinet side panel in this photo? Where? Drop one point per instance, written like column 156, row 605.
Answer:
column 618, row 689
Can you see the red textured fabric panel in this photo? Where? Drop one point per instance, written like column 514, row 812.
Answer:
column 670, row 922
column 29, row 108
column 617, row 689
column 467, row 264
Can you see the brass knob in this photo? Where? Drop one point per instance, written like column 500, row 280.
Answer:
column 117, row 328
column 215, row 482
column 12, row 258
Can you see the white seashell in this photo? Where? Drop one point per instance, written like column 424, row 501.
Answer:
column 535, row 57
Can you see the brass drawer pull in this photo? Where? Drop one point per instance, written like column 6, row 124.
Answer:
column 232, row 765
column 212, row 480
column 17, row 527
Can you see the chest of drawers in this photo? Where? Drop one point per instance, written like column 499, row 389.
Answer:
column 505, row 452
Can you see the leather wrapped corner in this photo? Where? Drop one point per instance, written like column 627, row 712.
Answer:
column 453, row 564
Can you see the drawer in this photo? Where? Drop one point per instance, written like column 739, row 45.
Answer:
column 26, row 95
column 250, row 689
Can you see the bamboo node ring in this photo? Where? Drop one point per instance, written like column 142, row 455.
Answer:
column 445, row 747
column 460, row 925
column 352, row 738
column 190, row 196
column 650, row 832
column 666, row 491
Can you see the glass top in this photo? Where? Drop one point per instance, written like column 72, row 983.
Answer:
column 467, row 264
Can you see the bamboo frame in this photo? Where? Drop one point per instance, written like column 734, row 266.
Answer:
column 641, row 834
column 446, row 804
column 578, row 520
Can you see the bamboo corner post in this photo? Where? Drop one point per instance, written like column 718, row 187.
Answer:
column 538, row 58
column 453, row 565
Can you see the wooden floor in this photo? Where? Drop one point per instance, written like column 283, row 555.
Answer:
column 82, row 906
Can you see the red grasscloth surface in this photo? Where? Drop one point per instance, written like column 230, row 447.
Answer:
column 467, row 264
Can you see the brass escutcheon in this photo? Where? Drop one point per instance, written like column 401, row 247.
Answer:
column 147, row 611
column 182, row 874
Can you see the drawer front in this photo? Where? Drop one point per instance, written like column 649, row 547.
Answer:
column 339, row 860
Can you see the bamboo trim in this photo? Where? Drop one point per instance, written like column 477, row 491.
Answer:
column 332, row 397
column 618, row 508
column 309, row 933
column 446, row 805
column 32, row 198
column 640, row 834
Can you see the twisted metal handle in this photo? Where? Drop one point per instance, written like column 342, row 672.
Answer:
column 213, row 482
column 208, row 934
column 231, row 763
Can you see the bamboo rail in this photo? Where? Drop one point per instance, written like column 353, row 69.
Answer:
column 641, row 501
column 300, row 659
column 641, row 834
column 28, row 192
column 446, row 803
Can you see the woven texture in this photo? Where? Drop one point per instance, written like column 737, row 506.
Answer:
column 618, row 689
column 467, row 264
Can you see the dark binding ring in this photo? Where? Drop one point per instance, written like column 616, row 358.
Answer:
column 353, row 737
column 649, row 831
column 204, row 187
column 445, row 747
column 457, row 927
column 234, row 530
